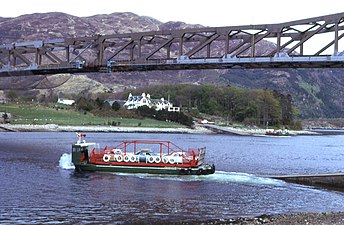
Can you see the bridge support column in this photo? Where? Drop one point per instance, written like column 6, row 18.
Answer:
column 253, row 49
column 181, row 43
column 336, row 39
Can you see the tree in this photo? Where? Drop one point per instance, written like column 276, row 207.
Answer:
column 84, row 104
column 6, row 117
column 286, row 107
column 270, row 108
column 12, row 95
column 99, row 102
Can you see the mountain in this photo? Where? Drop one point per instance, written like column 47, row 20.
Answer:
column 316, row 92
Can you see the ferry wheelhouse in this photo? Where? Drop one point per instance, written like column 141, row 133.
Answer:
column 140, row 156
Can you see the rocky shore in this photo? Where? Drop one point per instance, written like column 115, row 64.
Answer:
column 331, row 218
column 302, row 218
column 95, row 128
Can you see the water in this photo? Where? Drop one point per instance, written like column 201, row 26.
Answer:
column 39, row 185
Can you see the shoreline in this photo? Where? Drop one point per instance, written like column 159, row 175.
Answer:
column 101, row 128
column 98, row 128
column 310, row 218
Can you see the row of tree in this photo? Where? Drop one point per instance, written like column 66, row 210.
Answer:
column 254, row 107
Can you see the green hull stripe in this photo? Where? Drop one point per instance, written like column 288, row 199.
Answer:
column 152, row 170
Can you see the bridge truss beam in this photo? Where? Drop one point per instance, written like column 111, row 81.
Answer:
column 289, row 44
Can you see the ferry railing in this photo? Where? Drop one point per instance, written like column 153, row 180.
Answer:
column 190, row 157
column 163, row 145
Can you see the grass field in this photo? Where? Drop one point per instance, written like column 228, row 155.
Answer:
column 35, row 114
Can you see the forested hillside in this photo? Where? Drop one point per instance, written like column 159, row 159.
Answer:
column 249, row 106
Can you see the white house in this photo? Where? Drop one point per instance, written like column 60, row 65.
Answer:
column 162, row 104
column 134, row 102
column 65, row 101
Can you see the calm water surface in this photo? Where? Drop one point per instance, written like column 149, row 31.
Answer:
column 38, row 185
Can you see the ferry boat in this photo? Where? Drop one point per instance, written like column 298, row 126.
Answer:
column 140, row 156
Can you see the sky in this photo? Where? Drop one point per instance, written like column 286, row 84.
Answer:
column 213, row 13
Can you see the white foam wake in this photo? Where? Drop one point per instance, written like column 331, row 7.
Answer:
column 65, row 162
column 219, row 176
column 234, row 177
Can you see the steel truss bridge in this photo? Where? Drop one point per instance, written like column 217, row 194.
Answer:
column 307, row 43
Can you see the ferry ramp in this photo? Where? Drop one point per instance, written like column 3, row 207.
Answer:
column 330, row 180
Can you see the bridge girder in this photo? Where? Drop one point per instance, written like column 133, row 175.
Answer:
column 290, row 45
